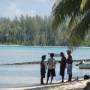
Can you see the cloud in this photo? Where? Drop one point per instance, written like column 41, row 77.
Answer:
column 12, row 10
column 29, row 1
column 42, row 1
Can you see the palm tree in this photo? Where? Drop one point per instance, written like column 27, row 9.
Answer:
column 76, row 13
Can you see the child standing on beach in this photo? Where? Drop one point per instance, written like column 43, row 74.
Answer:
column 51, row 67
column 62, row 65
column 43, row 68
column 69, row 65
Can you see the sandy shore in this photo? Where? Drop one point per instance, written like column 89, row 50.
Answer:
column 74, row 85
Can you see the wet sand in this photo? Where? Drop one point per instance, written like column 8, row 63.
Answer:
column 74, row 85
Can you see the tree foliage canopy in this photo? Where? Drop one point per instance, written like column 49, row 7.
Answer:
column 26, row 30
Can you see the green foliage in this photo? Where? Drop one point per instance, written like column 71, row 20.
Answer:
column 28, row 31
column 76, row 13
column 35, row 31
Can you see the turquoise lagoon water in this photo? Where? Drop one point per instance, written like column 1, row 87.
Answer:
column 27, row 75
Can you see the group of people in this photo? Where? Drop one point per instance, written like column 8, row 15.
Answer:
column 51, row 63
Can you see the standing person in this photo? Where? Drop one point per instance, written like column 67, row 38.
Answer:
column 62, row 65
column 43, row 68
column 51, row 67
column 69, row 65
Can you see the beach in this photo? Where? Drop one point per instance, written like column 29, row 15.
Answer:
column 15, row 75
column 74, row 85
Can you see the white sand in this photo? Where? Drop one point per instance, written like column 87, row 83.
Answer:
column 72, row 86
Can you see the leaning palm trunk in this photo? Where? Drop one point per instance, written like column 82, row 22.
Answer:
column 78, row 13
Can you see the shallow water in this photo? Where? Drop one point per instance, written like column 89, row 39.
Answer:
column 27, row 75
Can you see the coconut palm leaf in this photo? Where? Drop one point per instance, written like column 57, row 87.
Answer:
column 80, row 31
column 77, row 11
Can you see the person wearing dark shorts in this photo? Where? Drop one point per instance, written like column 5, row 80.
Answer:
column 43, row 69
column 51, row 67
column 62, row 65
column 69, row 65
column 51, row 73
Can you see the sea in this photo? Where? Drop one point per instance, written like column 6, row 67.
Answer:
column 13, row 76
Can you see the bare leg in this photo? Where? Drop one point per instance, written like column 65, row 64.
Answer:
column 70, row 77
column 47, row 79
column 41, row 80
column 51, row 79
column 62, row 78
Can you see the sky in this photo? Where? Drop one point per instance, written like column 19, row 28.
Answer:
column 12, row 8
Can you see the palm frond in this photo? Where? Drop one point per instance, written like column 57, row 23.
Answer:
column 85, row 5
column 65, row 8
column 73, row 9
column 80, row 31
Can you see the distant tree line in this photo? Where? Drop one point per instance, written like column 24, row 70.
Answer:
column 35, row 31
column 28, row 31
